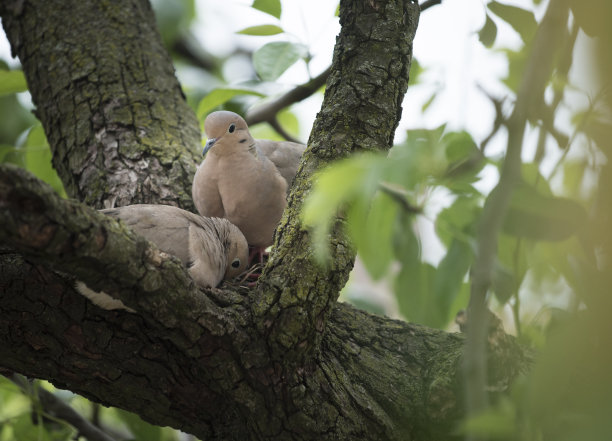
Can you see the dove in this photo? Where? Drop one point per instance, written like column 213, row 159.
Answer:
column 244, row 180
column 212, row 249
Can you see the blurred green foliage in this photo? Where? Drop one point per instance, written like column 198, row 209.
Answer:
column 555, row 246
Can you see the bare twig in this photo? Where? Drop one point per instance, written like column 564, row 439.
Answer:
column 429, row 3
column 281, row 131
column 62, row 411
column 267, row 112
column 529, row 100
column 499, row 117
column 400, row 197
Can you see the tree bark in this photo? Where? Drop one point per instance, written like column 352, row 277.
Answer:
column 104, row 88
column 283, row 361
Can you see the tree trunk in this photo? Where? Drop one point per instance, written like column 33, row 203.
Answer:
column 104, row 88
column 283, row 361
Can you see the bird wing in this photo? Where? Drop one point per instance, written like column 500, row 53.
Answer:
column 285, row 155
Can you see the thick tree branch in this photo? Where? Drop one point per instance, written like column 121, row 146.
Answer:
column 118, row 125
column 361, row 109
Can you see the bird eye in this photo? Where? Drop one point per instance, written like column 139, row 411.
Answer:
column 235, row 263
column 232, row 127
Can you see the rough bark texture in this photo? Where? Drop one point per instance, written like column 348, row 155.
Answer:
column 360, row 112
column 104, row 88
column 285, row 361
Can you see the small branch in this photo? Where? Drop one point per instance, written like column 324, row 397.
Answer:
column 267, row 112
column 58, row 409
column 281, row 131
column 529, row 101
column 428, row 4
column 499, row 117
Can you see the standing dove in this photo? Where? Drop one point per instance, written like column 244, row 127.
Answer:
column 244, row 180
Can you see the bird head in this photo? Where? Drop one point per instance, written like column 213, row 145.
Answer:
column 237, row 253
column 227, row 130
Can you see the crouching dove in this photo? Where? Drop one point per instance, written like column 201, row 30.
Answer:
column 211, row 249
column 242, row 179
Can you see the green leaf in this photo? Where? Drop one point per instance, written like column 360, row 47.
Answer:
column 429, row 101
column 415, row 71
column 414, row 294
column 488, row 33
column 273, row 59
column 372, row 232
column 141, row 430
column 504, row 284
column 12, row 81
column 517, row 61
column 592, row 16
column 221, row 96
column 464, row 158
column 512, row 257
column 573, row 176
column 459, row 220
column 340, row 184
column 272, row 7
column 534, row 216
column 262, row 30
column 449, row 278
column 38, row 159
column 521, row 20
column 495, row 423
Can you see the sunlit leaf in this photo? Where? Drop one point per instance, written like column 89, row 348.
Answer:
column 334, row 188
column 488, row 33
column 537, row 217
column 141, row 430
column 521, row 20
column 272, row 7
column 262, row 30
column 221, row 96
column 38, row 156
column 12, row 81
column 372, row 233
column 415, row 71
column 273, row 59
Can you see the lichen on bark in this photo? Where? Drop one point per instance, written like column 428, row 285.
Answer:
column 104, row 88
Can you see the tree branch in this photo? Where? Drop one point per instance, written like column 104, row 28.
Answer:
column 375, row 378
column 429, row 3
column 529, row 101
column 360, row 111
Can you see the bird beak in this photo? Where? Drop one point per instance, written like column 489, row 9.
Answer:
column 208, row 145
